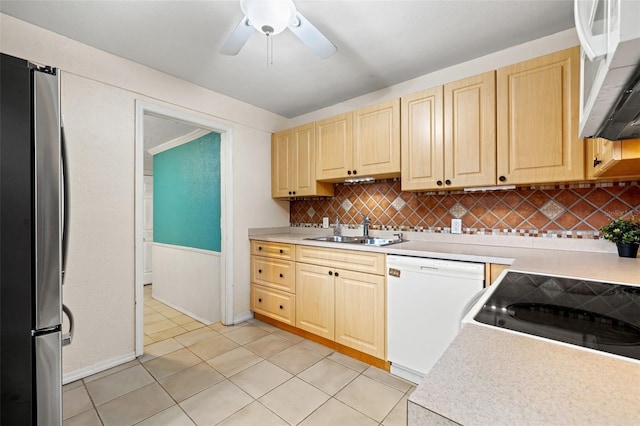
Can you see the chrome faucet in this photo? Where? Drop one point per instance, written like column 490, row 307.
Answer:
column 336, row 228
column 365, row 226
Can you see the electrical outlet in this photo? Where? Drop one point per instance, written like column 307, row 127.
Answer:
column 325, row 222
column 456, row 226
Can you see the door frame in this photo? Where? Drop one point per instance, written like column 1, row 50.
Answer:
column 226, row 203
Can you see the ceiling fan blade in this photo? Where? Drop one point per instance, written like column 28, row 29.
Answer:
column 238, row 38
column 312, row 37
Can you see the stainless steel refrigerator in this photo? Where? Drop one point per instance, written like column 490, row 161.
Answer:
column 32, row 228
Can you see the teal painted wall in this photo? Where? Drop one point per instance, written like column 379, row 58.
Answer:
column 186, row 194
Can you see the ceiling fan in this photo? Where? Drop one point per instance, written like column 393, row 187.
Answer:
column 271, row 17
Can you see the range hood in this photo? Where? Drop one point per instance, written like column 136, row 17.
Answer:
column 623, row 121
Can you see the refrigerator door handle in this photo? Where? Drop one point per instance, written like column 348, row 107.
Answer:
column 64, row 184
column 67, row 338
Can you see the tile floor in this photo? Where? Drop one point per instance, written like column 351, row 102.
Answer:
column 248, row 374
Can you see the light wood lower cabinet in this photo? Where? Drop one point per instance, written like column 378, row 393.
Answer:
column 278, row 305
column 315, row 299
column 360, row 312
column 492, row 272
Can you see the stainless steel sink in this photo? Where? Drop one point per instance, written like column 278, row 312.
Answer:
column 367, row 241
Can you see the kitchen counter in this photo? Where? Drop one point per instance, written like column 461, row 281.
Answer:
column 495, row 377
column 606, row 266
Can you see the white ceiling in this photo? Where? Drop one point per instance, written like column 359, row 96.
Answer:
column 380, row 43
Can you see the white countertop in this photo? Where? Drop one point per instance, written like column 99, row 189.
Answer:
column 594, row 265
column 492, row 377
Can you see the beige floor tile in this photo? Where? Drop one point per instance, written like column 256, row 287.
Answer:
column 172, row 416
column 295, row 359
column 289, row 336
column 72, row 385
column 387, row 379
column 266, row 327
column 193, row 325
column 334, row 412
column 246, row 334
column 118, row 384
column 160, row 348
column 260, row 378
column 181, row 319
column 224, row 329
column 213, row 347
column 294, row 400
column 135, row 406
column 167, row 334
column 88, row 418
column 268, row 345
column 329, row 376
column 234, row 361
column 168, row 311
column 159, row 326
column 172, row 363
column 75, row 401
column 152, row 318
column 112, row 370
column 153, row 303
column 216, row 403
column 254, row 414
column 189, row 382
column 147, row 340
column 397, row 416
column 370, row 397
column 347, row 361
column 316, row 347
column 195, row 336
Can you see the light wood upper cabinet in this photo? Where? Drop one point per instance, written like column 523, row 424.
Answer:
column 334, row 154
column 365, row 142
column 422, row 140
column 613, row 159
column 293, row 165
column 537, row 118
column 449, row 135
column 376, row 140
column 470, row 131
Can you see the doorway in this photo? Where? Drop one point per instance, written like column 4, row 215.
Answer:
column 144, row 112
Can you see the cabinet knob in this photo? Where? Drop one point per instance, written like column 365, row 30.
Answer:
column 294, row 192
column 355, row 172
column 281, row 276
column 348, row 172
column 330, row 272
column 289, row 192
column 281, row 307
column 502, row 179
column 439, row 183
column 447, row 182
column 596, row 162
column 337, row 275
column 260, row 300
column 259, row 248
column 281, row 251
column 259, row 271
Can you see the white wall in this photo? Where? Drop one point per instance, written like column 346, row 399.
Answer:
column 522, row 52
column 98, row 104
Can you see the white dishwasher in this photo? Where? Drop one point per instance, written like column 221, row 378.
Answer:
column 426, row 299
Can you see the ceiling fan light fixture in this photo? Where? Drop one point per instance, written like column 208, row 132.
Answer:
column 270, row 17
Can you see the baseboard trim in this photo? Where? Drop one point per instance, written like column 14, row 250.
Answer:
column 245, row 316
column 184, row 311
column 97, row 368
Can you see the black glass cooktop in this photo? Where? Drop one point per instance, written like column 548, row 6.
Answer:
column 592, row 314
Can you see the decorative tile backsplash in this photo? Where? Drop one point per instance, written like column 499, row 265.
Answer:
column 574, row 211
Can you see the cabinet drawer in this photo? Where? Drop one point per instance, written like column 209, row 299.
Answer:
column 274, row 304
column 275, row 273
column 271, row 249
column 359, row 261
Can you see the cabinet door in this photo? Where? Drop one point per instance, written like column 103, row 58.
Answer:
column 314, row 299
column 333, row 147
column 470, row 131
column 376, row 140
column 538, row 120
column 304, row 163
column 360, row 312
column 422, row 140
column 281, row 160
